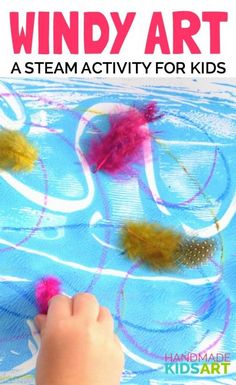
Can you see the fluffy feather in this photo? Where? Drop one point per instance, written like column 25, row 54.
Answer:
column 151, row 112
column 154, row 245
column 45, row 289
column 161, row 248
column 114, row 151
column 16, row 153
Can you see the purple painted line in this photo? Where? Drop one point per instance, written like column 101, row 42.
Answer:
column 42, row 212
column 141, row 348
column 103, row 258
column 205, row 306
column 221, row 333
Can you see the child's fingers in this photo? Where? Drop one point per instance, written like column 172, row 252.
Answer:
column 86, row 307
column 105, row 318
column 60, row 307
column 40, row 321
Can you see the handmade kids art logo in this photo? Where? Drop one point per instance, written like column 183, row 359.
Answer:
column 192, row 363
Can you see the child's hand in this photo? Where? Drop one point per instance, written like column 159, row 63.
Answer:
column 78, row 344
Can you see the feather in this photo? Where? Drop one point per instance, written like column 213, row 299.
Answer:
column 162, row 248
column 194, row 252
column 151, row 112
column 16, row 153
column 154, row 245
column 114, row 151
column 45, row 289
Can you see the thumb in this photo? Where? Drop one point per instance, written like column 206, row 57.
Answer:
column 40, row 321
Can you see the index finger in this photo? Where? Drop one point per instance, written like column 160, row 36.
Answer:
column 60, row 307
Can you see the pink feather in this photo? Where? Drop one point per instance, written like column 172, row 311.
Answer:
column 45, row 289
column 114, row 151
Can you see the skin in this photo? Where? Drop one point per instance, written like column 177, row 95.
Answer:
column 78, row 344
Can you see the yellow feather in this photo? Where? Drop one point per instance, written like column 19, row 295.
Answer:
column 150, row 243
column 16, row 153
column 161, row 248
